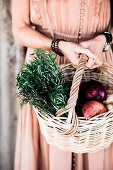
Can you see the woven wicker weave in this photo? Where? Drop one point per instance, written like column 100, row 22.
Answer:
column 75, row 133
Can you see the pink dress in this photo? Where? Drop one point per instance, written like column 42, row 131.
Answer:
column 76, row 21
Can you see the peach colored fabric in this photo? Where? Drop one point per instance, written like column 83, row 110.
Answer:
column 75, row 21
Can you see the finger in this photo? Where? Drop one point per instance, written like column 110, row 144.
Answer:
column 98, row 62
column 90, row 63
column 75, row 66
column 95, row 66
column 89, row 54
column 96, row 58
column 86, row 51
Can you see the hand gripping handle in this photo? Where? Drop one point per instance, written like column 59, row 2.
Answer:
column 72, row 101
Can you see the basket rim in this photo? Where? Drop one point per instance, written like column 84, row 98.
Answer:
column 96, row 118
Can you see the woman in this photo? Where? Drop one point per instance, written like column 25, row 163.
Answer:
column 81, row 24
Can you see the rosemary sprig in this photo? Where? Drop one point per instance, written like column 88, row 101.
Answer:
column 41, row 84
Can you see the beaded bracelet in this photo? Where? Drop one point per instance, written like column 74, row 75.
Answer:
column 54, row 46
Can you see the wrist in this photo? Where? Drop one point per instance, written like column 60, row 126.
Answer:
column 47, row 44
column 102, row 39
column 108, row 37
column 61, row 45
column 56, row 48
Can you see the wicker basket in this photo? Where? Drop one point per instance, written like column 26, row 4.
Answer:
column 74, row 133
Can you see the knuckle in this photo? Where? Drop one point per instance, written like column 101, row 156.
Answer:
column 74, row 65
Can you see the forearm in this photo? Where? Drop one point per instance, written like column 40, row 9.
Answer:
column 29, row 37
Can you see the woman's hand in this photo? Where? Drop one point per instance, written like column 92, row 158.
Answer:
column 92, row 48
column 72, row 51
column 95, row 46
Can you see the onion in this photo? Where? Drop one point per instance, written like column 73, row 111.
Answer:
column 92, row 90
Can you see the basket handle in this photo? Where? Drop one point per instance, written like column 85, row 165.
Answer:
column 72, row 101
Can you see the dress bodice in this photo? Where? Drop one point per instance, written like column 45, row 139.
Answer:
column 81, row 18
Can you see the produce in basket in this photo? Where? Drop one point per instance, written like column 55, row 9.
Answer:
column 93, row 108
column 41, row 84
column 109, row 102
column 92, row 90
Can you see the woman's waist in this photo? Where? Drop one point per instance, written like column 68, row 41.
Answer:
column 68, row 36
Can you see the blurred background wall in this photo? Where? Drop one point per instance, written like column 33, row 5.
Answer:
column 11, row 58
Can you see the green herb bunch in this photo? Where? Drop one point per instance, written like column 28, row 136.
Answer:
column 41, row 84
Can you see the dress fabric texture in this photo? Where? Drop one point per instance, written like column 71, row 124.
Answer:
column 76, row 21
